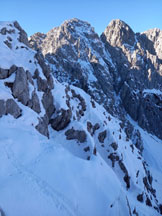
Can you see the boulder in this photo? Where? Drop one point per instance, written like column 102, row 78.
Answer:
column 3, row 31
column 4, row 73
column 79, row 135
column 62, row 120
column 13, row 109
column 42, row 126
column 48, row 103
column 20, row 88
column 12, row 69
column 35, row 105
column 42, row 84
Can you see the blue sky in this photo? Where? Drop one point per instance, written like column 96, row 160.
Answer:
column 42, row 15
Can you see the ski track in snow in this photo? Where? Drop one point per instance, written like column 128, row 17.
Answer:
column 60, row 201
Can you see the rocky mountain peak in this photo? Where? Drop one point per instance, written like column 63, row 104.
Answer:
column 35, row 40
column 77, row 24
column 119, row 33
column 71, row 31
column 77, row 55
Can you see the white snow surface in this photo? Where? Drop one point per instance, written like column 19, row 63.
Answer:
column 40, row 177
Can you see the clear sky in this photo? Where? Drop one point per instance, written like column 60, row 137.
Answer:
column 42, row 15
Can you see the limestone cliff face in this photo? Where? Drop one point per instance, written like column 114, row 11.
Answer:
column 155, row 38
column 137, row 58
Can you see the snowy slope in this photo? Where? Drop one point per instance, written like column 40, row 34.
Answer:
column 40, row 178
column 84, row 165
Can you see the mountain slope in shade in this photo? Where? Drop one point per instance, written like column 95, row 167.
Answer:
column 61, row 152
column 139, row 72
column 120, row 62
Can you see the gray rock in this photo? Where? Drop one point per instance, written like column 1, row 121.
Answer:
column 44, row 66
column 12, row 69
column 102, row 136
column 114, row 145
column 36, row 74
column 50, row 82
column 79, row 135
column 62, row 120
column 13, row 109
column 155, row 43
column 130, row 100
column 3, row 73
column 22, row 34
column 35, row 105
column 89, row 127
column 126, row 176
column 48, row 103
column 20, row 88
column 42, row 126
column 36, row 40
column 2, row 108
column 140, row 197
column 29, row 77
column 92, row 128
column 3, row 31
column 42, row 84
column 150, row 114
column 114, row 158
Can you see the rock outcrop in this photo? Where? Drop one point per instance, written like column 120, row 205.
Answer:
column 78, row 135
column 12, row 108
column 61, row 120
column 20, row 86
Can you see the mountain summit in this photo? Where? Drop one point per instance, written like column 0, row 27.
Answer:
column 119, row 33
